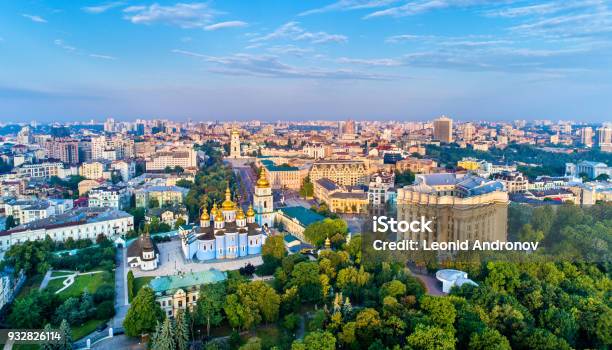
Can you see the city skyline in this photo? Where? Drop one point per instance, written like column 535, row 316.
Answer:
column 360, row 59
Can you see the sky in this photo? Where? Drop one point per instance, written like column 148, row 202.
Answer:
column 305, row 60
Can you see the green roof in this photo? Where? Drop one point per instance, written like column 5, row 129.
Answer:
column 165, row 283
column 303, row 215
column 272, row 167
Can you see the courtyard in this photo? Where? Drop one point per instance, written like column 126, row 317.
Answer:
column 172, row 261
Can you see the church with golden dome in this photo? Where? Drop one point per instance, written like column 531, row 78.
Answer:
column 227, row 232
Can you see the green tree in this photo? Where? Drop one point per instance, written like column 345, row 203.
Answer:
column 165, row 339
column 130, row 284
column 210, row 304
column 368, row 324
column 181, row 331
column 66, row 332
column 307, row 188
column 10, row 222
column 305, row 276
column 440, row 310
column 489, row 339
column 318, row 340
column 143, row 314
column 431, row 338
column 317, row 232
column 239, row 315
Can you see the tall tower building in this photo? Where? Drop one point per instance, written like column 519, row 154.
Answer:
column 263, row 202
column 443, row 129
column 468, row 132
column 604, row 135
column 235, row 144
column 586, row 136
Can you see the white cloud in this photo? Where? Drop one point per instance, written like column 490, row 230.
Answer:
column 289, row 50
column 34, row 18
column 377, row 62
column 545, row 8
column 581, row 24
column 73, row 50
column 104, row 57
column 403, row 37
column 268, row 66
column 63, row 45
column 348, row 5
column 292, row 31
column 194, row 15
column 228, row 24
column 102, row 8
column 411, row 8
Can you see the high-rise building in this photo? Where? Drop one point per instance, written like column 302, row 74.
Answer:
column 468, row 132
column 604, row 135
column 586, row 136
column 235, row 144
column 443, row 129
column 65, row 150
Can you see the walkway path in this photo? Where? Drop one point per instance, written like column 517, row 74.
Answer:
column 69, row 279
column 121, row 292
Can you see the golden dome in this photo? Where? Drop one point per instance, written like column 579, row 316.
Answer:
column 205, row 216
column 227, row 203
column 234, row 132
column 240, row 214
column 250, row 212
column 262, row 182
column 219, row 216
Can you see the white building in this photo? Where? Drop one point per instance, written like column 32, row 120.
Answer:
column 80, row 223
column 40, row 171
column 184, row 156
column 379, row 189
column 451, row 278
column 28, row 210
column 143, row 254
column 109, row 197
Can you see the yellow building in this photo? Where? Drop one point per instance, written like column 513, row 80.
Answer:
column 92, row 170
column 462, row 207
column 471, row 164
column 342, row 172
column 340, row 199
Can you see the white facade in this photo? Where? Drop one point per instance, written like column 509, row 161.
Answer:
column 109, row 223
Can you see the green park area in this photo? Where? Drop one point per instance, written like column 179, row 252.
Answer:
column 89, row 282
column 85, row 304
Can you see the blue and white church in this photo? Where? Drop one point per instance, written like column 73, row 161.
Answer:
column 227, row 232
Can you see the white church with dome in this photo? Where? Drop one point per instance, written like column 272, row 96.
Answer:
column 228, row 232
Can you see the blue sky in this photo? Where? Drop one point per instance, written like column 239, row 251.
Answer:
column 306, row 60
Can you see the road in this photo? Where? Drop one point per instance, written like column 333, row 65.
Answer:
column 121, row 293
column 248, row 178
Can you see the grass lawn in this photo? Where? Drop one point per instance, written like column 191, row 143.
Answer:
column 140, row 282
column 86, row 328
column 60, row 273
column 91, row 282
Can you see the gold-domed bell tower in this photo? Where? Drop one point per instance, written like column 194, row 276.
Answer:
column 263, row 201
column 235, row 144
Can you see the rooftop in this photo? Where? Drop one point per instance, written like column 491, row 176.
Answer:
column 302, row 215
column 174, row 282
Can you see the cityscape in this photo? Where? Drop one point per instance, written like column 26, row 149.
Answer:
column 305, row 175
column 248, row 234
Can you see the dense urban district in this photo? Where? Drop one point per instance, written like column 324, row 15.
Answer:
column 166, row 235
